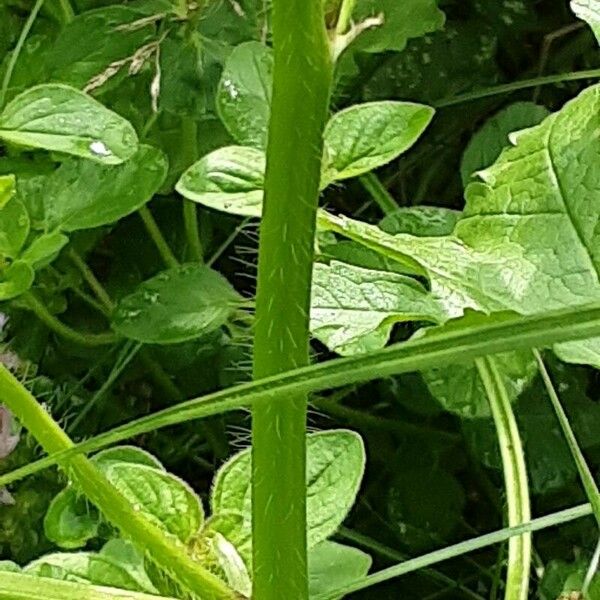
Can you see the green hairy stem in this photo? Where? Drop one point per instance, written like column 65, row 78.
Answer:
column 301, row 87
column 468, row 343
column 515, row 478
column 161, row 549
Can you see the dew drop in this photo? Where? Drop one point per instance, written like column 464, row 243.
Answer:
column 99, row 149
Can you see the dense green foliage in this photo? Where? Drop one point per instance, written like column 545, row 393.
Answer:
column 430, row 177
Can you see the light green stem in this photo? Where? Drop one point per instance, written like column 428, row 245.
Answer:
column 515, row 86
column 157, row 237
column 30, row 301
column 587, row 479
column 160, row 548
column 14, row 57
column 189, row 133
column 449, row 552
column 468, row 343
column 382, row 197
column 345, row 16
column 67, row 10
column 91, row 280
column 301, row 87
column 515, row 478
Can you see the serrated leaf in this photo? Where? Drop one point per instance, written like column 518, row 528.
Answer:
column 62, row 119
column 177, row 305
column 527, row 240
column 423, row 221
column 244, row 93
column 15, row 279
column 366, row 136
column 230, row 179
column 487, row 144
column 82, row 194
column 589, row 11
column 335, row 465
column 332, row 565
column 353, row 310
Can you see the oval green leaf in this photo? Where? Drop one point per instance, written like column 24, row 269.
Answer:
column 82, row 194
column 60, row 118
column 335, row 466
column 244, row 93
column 366, row 136
column 176, row 305
column 230, row 179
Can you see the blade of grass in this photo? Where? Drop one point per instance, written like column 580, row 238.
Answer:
column 515, row 478
column 14, row 57
column 587, row 479
column 468, row 343
column 438, row 556
column 170, row 556
column 515, row 86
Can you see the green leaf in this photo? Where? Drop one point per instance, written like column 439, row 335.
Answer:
column 118, row 564
column 332, row 565
column 354, row 309
column 335, row 465
column 14, row 227
column 588, row 10
column 15, row 279
column 401, row 22
column 177, row 305
column 44, row 249
column 7, row 189
column 244, row 94
column 60, row 118
column 230, row 179
column 94, row 40
column 487, row 144
column 527, row 241
column 460, row 390
column 127, row 454
column 366, row 136
column 424, row 221
column 83, row 194
column 71, row 521
column 161, row 497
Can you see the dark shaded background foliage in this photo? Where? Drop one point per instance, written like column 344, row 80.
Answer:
column 432, row 479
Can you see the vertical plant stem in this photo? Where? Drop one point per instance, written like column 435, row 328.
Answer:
column 67, row 10
column 189, row 133
column 157, row 237
column 301, row 88
column 515, row 478
column 382, row 197
column 160, row 548
column 14, row 57
column 587, row 479
column 345, row 16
